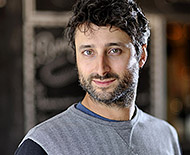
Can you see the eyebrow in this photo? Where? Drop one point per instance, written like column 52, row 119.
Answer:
column 86, row 46
column 116, row 44
column 107, row 45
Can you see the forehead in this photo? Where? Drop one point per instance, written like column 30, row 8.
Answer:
column 103, row 33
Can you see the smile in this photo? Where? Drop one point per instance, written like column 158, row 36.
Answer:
column 103, row 83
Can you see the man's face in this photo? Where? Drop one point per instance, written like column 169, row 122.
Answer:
column 107, row 65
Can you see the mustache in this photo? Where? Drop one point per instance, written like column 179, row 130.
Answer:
column 107, row 76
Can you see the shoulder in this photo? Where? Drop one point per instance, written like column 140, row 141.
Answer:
column 30, row 147
column 158, row 125
column 46, row 130
column 159, row 131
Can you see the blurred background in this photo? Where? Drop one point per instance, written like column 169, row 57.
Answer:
column 38, row 78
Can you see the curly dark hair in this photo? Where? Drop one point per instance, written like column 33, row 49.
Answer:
column 124, row 14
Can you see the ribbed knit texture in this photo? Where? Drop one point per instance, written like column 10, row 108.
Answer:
column 76, row 133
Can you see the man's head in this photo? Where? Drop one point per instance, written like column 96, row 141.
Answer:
column 124, row 14
column 109, row 37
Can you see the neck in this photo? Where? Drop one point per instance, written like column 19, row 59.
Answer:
column 111, row 112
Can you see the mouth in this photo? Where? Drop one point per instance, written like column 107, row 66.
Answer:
column 104, row 83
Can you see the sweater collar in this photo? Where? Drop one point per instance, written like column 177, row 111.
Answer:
column 116, row 124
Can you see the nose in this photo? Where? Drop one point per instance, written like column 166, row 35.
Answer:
column 103, row 66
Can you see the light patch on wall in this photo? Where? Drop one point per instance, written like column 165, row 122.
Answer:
column 3, row 3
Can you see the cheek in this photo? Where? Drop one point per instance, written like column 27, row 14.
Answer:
column 80, row 63
column 132, row 63
column 83, row 68
column 121, row 65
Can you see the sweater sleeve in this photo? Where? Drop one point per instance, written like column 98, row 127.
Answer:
column 29, row 147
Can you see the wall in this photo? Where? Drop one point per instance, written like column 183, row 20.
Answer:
column 11, row 104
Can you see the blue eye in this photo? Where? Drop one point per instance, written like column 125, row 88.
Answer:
column 115, row 51
column 87, row 53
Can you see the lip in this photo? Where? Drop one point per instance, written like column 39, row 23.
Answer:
column 103, row 83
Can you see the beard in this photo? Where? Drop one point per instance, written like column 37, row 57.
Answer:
column 122, row 95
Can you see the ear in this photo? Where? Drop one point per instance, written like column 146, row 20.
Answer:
column 143, row 56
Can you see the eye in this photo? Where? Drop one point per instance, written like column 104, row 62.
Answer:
column 115, row 51
column 88, row 52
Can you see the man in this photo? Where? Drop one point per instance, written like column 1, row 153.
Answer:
column 110, row 39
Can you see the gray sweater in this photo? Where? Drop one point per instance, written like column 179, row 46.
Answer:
column 76, row 133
